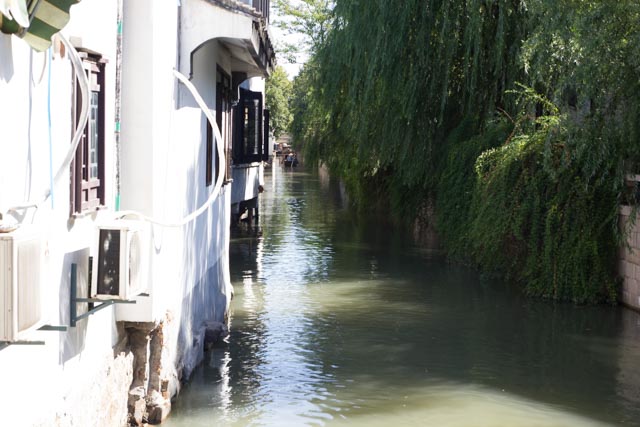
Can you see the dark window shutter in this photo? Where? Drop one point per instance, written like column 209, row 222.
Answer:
column 248, row 146
column 265, row 139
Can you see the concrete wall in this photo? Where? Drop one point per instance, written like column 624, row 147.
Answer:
column 629, row 260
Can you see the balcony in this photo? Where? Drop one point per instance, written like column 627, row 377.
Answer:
column 255, row 7
column 263, row 6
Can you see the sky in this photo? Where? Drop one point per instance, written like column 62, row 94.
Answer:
column 281, row 37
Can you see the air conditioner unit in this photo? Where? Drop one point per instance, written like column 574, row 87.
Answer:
column 20, row 283
column 120, row 267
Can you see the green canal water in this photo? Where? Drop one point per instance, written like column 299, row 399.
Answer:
column 341, row 321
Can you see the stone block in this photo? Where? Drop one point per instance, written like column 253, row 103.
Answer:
column 632, row 255
column 214, row 333
column 630, row 292
column 621, row 265
column 158, row 408
column 624, row 297
column 634, row 288
column 626, row 269
column 137, row 406
column 630, row 270
column 624, row 210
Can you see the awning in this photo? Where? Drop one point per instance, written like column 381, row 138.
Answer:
column 44, row 18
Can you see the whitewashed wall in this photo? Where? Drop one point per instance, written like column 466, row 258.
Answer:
column 74, row 377
column 163, row 176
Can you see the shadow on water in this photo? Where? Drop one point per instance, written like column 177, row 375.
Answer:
column 339, row 320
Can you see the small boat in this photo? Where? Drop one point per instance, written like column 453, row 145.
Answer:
column 290, row 160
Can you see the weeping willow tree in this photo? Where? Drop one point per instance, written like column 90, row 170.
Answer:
column 392, row 80
column 514, row 117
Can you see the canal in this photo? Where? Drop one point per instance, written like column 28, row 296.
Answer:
column 339, row 320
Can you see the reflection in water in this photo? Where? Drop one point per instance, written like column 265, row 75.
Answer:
column 338, row 320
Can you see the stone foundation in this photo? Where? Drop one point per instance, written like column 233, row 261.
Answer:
column 629, row 259
column 149, row 401
column 155, row 379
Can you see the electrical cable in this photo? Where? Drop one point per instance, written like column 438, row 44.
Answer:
column 84, row 114
column 50, row 57
column 83, row 83
column 216, row 189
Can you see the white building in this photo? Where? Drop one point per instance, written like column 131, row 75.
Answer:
column 147, row 171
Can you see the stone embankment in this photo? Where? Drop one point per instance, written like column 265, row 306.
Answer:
column 629, row 258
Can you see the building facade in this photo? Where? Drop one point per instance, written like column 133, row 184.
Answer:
column 114, row 254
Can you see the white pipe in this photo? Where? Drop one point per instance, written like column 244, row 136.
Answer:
column 221, row 155
column 83, row 82
column 84, row 113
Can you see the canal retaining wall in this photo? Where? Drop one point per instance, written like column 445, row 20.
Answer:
column 629, row 258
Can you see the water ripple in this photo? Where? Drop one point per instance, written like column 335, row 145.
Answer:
column 338, row 321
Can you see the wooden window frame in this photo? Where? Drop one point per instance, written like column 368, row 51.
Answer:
column 223, row 120
column 249, row 134
column 87, row 189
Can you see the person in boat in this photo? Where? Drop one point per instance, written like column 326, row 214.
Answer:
column 288, row 161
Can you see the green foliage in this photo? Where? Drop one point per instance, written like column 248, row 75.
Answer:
column 537, row 219
column 310, row 20
column 278, row 96
column 514, row 116
column 456, row 190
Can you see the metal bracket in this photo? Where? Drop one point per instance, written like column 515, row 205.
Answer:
column 74, row 300
column 74, row 317
column 45, row 328
column 5, row 344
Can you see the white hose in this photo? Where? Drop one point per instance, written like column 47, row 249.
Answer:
column 84, row 115
column 84, row 112
column 221, row 155
column 83, row 82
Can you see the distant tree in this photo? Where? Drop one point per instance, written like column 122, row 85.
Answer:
column 309, row 19
column 278, row 93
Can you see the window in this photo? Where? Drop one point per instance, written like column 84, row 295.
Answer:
column 209, row 155
column 87, row 169
column 249, row 140
column 223, row 115
column 223, row 120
